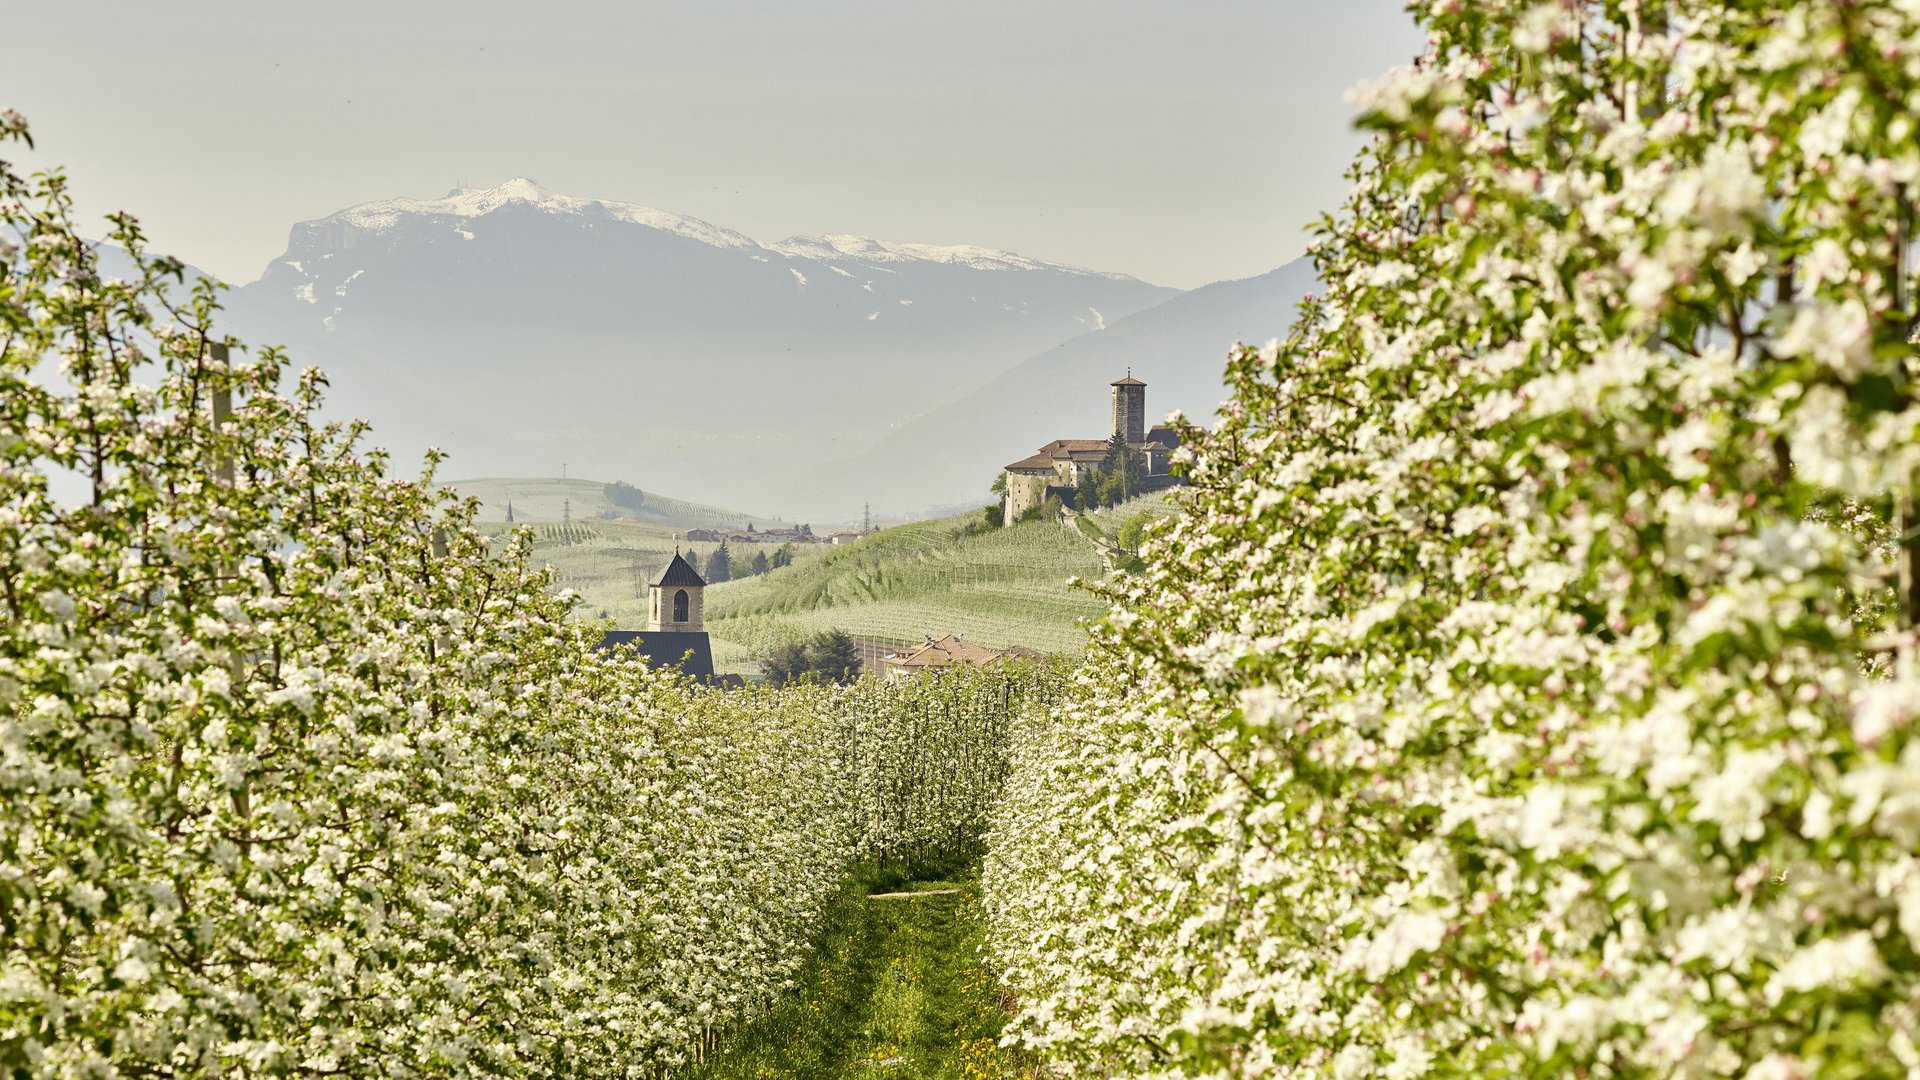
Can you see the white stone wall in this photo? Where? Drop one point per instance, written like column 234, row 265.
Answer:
column 1024, row 492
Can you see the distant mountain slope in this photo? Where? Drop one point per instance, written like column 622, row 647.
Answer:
column 409, row 421
column 627, row 341
column 1178, row 348
column 551, row 499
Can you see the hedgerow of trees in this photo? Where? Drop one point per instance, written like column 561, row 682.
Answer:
column 831, row 656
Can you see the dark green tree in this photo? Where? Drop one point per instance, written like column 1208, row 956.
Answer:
column 719, row 564
column 1123, row 473
column 787, row 665
column 1086, row 491
column 759, row 565
column 783, row 556
column 835, row 657
column 1048, row 510
column 625, row 495
column 829, row 657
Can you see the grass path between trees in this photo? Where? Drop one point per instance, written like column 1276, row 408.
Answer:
column 895, row 988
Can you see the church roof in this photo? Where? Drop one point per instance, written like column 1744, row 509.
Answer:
column 1063, row 450
column 1162, row 436
column 659, row 648
column 1128, row 381
column 679, row 572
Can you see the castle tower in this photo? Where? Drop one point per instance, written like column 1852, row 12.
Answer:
column 1130, row 409
column 675, row 598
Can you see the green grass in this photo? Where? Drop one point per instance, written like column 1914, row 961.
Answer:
column 895, row 988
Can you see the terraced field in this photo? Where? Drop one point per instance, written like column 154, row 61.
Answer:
column 609, row 562
column 999, row 587
column 1003, row 587
column 1120, row 523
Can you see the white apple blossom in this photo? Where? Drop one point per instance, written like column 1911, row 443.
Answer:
column 299, row 775
column 1564, row 725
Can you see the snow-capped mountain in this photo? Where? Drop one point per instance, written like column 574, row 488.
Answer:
column 629, row 341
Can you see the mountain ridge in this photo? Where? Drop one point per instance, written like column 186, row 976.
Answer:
column 381, row 215
column 511, row 386
column 546, row 329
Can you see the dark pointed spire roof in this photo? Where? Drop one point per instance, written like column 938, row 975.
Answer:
column 679, row 572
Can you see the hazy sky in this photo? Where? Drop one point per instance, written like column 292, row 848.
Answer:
column 1181, row 142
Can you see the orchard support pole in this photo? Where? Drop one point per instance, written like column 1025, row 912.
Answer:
column 222, row 412
column 218, row 353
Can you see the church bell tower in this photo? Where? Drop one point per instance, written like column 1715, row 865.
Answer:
column 675, row 598
column 1130, row 410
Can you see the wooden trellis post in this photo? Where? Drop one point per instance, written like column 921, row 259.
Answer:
column 236, row 667
column 222, row 412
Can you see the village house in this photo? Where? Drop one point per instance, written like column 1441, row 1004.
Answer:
column 1059, row 465
column 946, row 652
column 747, row 534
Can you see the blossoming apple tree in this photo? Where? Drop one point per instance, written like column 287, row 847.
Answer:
column 298, row 778
column 1530, row 687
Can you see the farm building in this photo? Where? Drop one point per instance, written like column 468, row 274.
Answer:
column 949, row 651
column 1060, row 464
column 795, row 534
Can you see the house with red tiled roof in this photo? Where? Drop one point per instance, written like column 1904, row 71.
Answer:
column 1059, row 465
column 949, row 651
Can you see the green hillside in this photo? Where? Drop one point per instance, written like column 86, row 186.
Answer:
column 609, row 562
column 1123, row 524
column 1000, row 587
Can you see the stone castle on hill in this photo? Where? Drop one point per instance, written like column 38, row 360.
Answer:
column 1059, row 466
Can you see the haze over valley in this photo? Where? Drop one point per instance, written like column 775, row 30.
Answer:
column 522, row 331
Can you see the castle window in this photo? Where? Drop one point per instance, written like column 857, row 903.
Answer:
column 680, row 606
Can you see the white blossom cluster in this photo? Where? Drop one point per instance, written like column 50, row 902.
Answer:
column 1527, row 691
column 297, row 779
